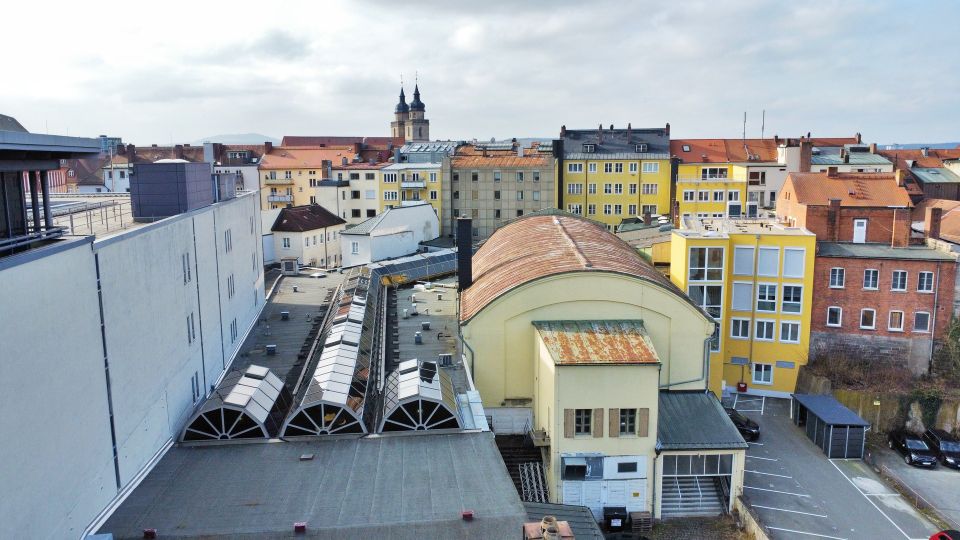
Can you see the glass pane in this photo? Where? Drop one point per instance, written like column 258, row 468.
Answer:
column 697, row 464
column 726, row 464
column 683, row 465
column 712, row 465
column 669, row 465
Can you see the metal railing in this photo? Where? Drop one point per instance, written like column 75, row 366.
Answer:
column 97, row 218
column 280, row 198
column 919, row 501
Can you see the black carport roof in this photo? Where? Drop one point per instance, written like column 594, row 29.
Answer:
column 695, row 421
column 830, row 410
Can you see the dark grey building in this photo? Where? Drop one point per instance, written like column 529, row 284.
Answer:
column 170, row 187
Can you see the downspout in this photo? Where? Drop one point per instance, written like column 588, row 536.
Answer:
column 753, row 302
column 933, row 319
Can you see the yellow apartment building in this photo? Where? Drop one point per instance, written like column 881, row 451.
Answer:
column 711, row 190
column 755, row 278
column 612, row 174
column 292, row 175
column 404, row 184
column 574, row 338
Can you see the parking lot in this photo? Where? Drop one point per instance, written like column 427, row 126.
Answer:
column 799, row 493
column 937, row 488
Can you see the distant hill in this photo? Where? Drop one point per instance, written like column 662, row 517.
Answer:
column 238, row 138
column 914, row 146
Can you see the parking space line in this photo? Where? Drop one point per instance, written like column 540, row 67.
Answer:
column 735, row 398
column 881, row 495
column 775, row 491
column 785, row 510
column 806, row 533
column 763, row 405
column 748, row 410
column 868, row 499
column 763, row 458
column 756, row 443
column 768, row 474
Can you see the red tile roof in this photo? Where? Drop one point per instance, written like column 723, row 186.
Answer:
column 724, row 150
column 934, row 157
column 538, row 246
column 949, row 220
column 373, row 143
column 305, row 218
column 853, row 189
column 299, row 157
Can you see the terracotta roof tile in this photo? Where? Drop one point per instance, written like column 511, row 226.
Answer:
column 298, row 157
column 538, row 246
column 374, row 143
column 949, row 220
column 934, row 157
column 853, row 189
column 724, row 150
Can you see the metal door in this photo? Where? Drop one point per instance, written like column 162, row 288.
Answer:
column 859, row 231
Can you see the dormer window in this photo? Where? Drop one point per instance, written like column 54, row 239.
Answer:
column 686, row 148
column 589, row 148
column 641, row 148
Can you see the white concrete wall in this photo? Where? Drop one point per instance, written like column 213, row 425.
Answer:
column 322, row 245
column 362, row 255
column 61, row 457
column 399, row 233
column 57, row 466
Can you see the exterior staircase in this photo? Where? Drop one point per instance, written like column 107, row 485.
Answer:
column 515, row 451
column 691, row 496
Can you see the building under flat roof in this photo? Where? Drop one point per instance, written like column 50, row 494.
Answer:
column 722, row 228
column 404, row 486
column 881, row 251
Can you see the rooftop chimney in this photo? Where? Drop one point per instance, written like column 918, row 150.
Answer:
column 563, row 131
column 833, row 219
column 178, row 151
column 600, row 134
column 776, row 140
column 611, row 127
column 806, row 154
column 343, row 160
column 900, row 177
column 925, row 152
column 267, row 147
column 647, row 218
column 859, row 138
column 520, row 150
column 464, row 253
column 131, row 152
column 873, row 148
column 931, row 222
column 667, row 129
column 832, row 171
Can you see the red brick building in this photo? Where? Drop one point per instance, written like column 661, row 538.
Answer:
column 848, row 207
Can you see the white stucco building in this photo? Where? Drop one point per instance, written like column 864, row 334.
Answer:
column 309, row 233
column 395, row 232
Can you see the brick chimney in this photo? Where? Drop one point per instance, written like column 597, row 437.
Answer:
column 647, row 218
column 901, row 227
column 667, row 129
column 873, row 148
column 925, row 152
column 267, row 147
column 845, row 154
column 859, row 138
column 131, row 152
column 833, row 220
column 832, row 171
column 629, row 131
column 931, row 222
column 563, row 131
column 806, row 155
column 178, row 151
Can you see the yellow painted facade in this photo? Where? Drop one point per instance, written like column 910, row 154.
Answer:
column 756, row 279
column 412, row 183
column 609, row 190
column 715, row 190
column 280, row 187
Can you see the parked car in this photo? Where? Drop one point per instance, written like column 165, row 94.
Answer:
column 946, row 535
column 747, row 427
column 945, row 445
column 913, row 449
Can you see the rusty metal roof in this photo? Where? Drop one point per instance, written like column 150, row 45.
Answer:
column 538, row 246
column 597, row 342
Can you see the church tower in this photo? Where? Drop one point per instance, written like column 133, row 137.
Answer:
column 418, row 127
column 400, row 114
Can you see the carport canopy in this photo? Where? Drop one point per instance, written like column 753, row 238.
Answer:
column 837, row 430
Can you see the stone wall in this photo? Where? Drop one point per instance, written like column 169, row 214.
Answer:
column 912, row 353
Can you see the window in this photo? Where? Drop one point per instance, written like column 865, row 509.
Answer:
column 519, row 213
column 871, row 278
column 758, row 178
column 618, row 167
column 740, row 328
column 733, row 195
column 355, row 248
column 355, row 212
column 474, row 176
column 925, row 282
column 390, row 195
column 287, row 175
column 688, row 195
column 592, row 168
column 354, row 176
column 191, row 333
column 719, row 195
column 536, row 195
column 794, row 262
column 496, row 213
column 286, row 241
column 633, row 189
column 366, row 176
column 628, row 425
column 519, row 176
column 592, row 189
column 709, row 173
column 433, row 177
column 390, row 178
column 768, row 262
column 496, row 195
column 195, row 386
column 633, row 168
column 836, row 278
column 792, row 297
column 574, row 189
column 650, row 189
column 617, row 209
column 456, row 177
column 608, row 167
column 474, row 195
column 574, row 208
column 703, row 195
column 868, row 319
column 574, row 167
column 536, row 176
column 895, row 321
column 632, row 209
column 608, row 188
column 742, row 296
column 581, row 421
column 834, row 316
column 766, row 297
column 706, row 264
column 233, row 330
column 764, row 331
column 587, row 148
column 607, row 209
column 709, row 297
column 371, row 213
column 355, row 194
column 185, row 262
column 743, row 260
column 433, row 195
column 618, row 189
column 789, row 332
column 591, row 209
column 520, row 195
column 921, row 321
column 763, row 373
column 456, row 194
column 627, row 466
column 651, row 167
column 899, row 282
column 228, row 241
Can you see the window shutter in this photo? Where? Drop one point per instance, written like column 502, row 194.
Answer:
column 643, row 422
column 597, row 424
column 568, row 423
column 614, row 422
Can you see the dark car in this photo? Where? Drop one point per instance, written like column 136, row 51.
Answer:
column 747, row 427
column 945, row 445
column 913, row 449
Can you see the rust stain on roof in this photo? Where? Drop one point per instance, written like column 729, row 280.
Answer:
column 597, row 342
column 543, row 245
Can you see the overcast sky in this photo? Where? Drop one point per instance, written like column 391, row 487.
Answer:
column 178, row 71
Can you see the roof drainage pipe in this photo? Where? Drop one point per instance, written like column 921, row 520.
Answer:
column 705, row 376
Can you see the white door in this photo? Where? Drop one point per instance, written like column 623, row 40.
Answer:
column 593, row 498
column 616, row 493
column 859, row 231
column 636, row 495
column 572, row 492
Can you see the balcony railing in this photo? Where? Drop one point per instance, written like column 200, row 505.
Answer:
column 714, row 179
column 413, row 203
column 280, row 198
column 277, row 181
column 411, row 184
